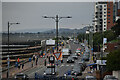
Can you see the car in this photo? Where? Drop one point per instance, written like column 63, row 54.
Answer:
column 86, row 54
column 50, row 71
column 76, row 42
column 82, row 44
column 79, row 49
column 85, row 58
column 75, row 56
column 70, row 51
column 110, row 77
column 70, row 59
column 83, row 64
column 21, row 76
column 90, row 78
column 77, row 70
column 78, row 52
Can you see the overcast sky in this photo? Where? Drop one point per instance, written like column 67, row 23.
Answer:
column 29, row 14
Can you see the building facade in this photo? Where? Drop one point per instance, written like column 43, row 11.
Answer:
column 105, row 15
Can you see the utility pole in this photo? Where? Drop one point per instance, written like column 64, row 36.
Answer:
column 57, row 19
column 8, row 61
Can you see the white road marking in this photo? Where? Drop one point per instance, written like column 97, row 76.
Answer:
column 36, row 71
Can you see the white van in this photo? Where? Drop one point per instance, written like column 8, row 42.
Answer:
column 65, row 52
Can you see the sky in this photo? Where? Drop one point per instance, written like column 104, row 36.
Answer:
column 29, row 15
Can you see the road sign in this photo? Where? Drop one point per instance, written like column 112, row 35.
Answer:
column 57, row 55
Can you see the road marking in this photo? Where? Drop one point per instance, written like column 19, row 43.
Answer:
column 62, row 65
column 72, row 65
column 67, row 65
column 36, row 71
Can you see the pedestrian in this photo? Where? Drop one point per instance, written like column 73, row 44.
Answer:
column 36, row 60
column 45, row 62
column 18, row 66
column 22, row 65
column 34, row 57
column 32, row 63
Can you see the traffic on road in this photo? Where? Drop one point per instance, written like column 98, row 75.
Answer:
column 70, row 65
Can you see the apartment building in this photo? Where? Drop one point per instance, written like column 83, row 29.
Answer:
column 105, row 15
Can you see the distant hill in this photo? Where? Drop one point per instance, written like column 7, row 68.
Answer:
column 66, row 30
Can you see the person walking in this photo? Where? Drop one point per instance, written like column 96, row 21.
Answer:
column 22, row 65
column 32, row 63
column 18, row 66
column 36, row 60
column 45, row 62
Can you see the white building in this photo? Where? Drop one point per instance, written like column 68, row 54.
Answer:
column 104, row 15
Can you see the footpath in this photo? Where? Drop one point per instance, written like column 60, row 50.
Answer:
column 88, row 71
column 27, row 66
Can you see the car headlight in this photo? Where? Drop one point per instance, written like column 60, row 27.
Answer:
column 15, row 77
column 53, row 73
column 24, row 76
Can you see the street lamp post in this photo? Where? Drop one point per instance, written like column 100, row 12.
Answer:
column 57, row 18
column 9, row 24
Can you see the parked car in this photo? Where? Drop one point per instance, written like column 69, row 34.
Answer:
column 85, row 57
column 77, row 70
column 110, row 77
column 90, row 78
column 21, row 76
column 70, row 59
column 83, row 64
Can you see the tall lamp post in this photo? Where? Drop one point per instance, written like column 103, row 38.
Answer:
column 9, row 24
column 56, row 18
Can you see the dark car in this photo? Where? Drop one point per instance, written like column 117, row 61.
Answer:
column 21, row 76
column 50, row 71
column 83, row 64
column 70, row 60
column 85, row 58
column 75, row 56
column 70, row 51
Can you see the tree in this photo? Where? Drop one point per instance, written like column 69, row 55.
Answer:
column 110, row 35
column 113, row 60
column 81, row 37
column 116, row 28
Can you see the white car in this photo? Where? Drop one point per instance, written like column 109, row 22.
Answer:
column 110, row 77
column 90, row 78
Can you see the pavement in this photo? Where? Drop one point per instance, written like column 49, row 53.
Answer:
column 26, row 67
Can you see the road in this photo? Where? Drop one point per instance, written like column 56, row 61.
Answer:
column 62, row 68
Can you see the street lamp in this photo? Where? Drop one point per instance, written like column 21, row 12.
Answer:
column 57, row 18
column 9, row 24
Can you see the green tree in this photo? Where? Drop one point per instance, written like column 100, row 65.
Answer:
column 110, row 35
column 116, row 28
column 113, row 60
column 81, row 37
column 97, row 38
